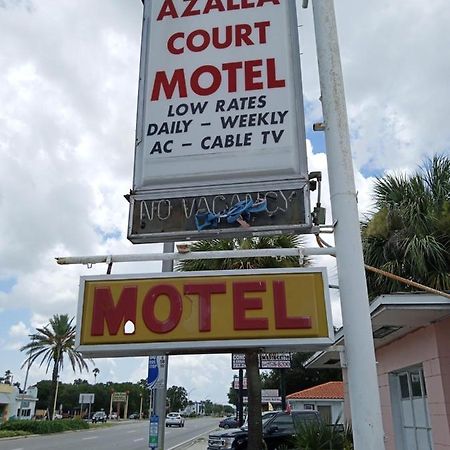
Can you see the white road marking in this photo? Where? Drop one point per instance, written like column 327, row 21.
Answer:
column 137, row 440
column 132, row 431
column 89, row 438
column 18, row 448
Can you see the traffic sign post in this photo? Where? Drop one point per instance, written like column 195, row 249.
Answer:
column 153, row 433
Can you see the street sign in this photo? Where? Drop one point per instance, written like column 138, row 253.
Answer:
column 86, row 399
column 153, row 371
column 153, row 432
column 236, row 383
column 220, row 122
column 266, row 361
column 119, row 397
column 177, row 313
column 154, row 218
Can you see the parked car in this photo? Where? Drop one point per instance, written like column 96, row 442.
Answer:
column 229, row 422
column 113, row 416
column 279, row 429
column 134, row 416
column 99, row 416
column 174, row 420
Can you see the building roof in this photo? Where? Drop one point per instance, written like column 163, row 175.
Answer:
column 393, row 316
column 330, row 390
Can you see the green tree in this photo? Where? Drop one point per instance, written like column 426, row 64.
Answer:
column 177, row 397
column 282, row 241
column 51, row 344
column 408, row 234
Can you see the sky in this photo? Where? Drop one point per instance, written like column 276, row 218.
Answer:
column 68, row 92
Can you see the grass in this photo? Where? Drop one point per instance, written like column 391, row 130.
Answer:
column 9, row 433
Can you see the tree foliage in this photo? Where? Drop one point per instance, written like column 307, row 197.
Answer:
column 282, row 241
column 408, row 234
column 177, row 397
column 51, row 345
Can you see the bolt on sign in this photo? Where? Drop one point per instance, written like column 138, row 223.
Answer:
column 220, row 139
column 173, row 313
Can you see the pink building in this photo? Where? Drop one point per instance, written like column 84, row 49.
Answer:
column 412, row 343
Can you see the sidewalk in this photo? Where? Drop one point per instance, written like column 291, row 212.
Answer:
column 199, row 443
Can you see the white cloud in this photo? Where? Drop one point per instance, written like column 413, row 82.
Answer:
column 68, row 89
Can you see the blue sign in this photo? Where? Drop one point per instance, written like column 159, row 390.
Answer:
column 153, row 371
column 153, row 434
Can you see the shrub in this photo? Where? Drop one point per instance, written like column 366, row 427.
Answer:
column 320, row 436
column 44, row 426
column 6, row 433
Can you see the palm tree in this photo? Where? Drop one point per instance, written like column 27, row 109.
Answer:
column 95, row 371
column 409, row 232
column 50, row 344
column 282, row 241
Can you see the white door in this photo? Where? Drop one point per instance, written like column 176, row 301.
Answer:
column 416, row 427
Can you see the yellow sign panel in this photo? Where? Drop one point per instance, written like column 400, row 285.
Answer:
column 203, row 306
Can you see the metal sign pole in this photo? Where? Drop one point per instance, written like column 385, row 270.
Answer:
column 160, row 393
column 362, row 375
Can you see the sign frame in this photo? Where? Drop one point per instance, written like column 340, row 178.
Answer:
column 259, row 171
column 267, row 345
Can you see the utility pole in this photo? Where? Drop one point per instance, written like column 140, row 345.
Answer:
column 160, row 393
column 363, row 383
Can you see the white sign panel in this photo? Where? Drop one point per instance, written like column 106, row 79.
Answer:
column 220, row 96
column 86, row 399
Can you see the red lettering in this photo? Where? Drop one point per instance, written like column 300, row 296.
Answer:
column 167, row 10
column 205, row 40
column 251, row 74
column 282, row 321
column 190, row 11
column 241, row 304
column 161, row 81
column 228, row 37
column 261, row 27
column 104, row 310
column 213, row 4
column 243, row 31
column 231, row 5
column 216, row 80
column 171, row 43
column 232, row 68
column 262, row 2
column 272, row 81
column 204, row 292
column 148, row 308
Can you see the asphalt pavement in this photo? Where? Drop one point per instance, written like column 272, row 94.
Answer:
column 129, row 435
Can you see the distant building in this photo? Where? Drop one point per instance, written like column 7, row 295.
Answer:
column 13, row 402
column 197, row 408
column 327, row 399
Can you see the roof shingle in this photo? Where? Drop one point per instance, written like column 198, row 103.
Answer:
column 330, row 390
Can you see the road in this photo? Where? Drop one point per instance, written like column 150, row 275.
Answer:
column 130, row 435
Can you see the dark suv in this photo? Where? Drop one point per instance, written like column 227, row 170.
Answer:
column 278, row 430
